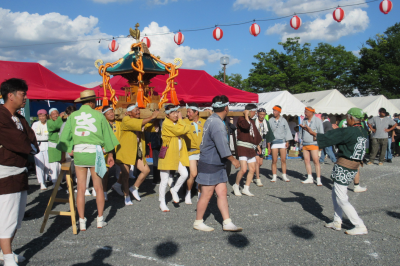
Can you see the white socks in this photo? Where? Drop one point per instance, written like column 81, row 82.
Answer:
column 246, row 191
column 128, row 200
column 273, row 178
column 100, row 222
column 9, row 260
column 163, row 206
column 319, row 183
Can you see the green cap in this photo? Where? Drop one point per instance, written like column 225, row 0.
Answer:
column 356, row 112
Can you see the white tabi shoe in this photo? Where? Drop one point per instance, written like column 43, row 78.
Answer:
column 359, row 189
column 246, row 191
column 319, row 183
column 87, row 193
column 82, row 224
column 284, row 178
column 175, row 196
column 334, row 225
column 128, row 201
column 117, row 188
column 135, row 193
column 229, row 226
column 236, row 190
column 309, row 180
column 100, row 222
column 201, row 226
column 94, row 192
column 17, row 258
column 273, row 178
column 358, row 230
column 258, row 182
column 43, row 187
column 188, row 198
column 163, row 207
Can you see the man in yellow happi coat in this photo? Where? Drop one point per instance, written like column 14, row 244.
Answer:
column 176, row 156
column 132, row 149
column 193, row 140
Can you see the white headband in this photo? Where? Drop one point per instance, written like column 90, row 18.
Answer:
column 130, row 108
column 52, row 110
column 193, row 108
column 171, row 110
column 255, row 109
column 108, row 109
column 219, row 104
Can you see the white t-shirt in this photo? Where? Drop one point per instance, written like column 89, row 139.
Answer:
column 41, row 135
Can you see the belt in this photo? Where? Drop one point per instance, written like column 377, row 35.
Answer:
column 353, row 165
column 89, row 148
column 6, row 171
column 246, row 144
column 52, row 145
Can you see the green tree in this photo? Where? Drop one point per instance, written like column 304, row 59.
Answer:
column 233, row 80
column 379, row 64
column 299, row 69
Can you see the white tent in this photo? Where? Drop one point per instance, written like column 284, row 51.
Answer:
column 371, row 104
column 329, row 101
column 290, row 105
column 395, row 102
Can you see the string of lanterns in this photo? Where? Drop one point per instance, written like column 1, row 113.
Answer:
column 295, row 22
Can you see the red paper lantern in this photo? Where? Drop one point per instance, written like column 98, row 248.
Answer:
column 338, row 14
column 218, row 33
column 146, row 41
column 295, row 22
column 113, row 46
column 255, row 29
column 179, row 38
column 386, row 6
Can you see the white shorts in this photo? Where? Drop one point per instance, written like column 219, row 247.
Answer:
column 194, row 157
column 279, row 146
column 249, row 160
column 12, row 209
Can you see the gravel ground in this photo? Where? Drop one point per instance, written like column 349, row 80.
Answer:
column 283, row 225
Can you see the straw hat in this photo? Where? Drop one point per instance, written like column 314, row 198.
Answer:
column 86, row 95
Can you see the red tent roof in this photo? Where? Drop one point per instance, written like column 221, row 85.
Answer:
column 43, row 84
column 193, row 86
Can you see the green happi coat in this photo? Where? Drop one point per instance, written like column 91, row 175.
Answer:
column 351, row 142
column 87, row 126
column 53, row 127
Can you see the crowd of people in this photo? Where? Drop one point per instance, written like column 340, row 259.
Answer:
column 192, row 150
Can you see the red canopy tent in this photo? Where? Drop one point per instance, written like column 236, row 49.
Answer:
column 43, row 84
column 193, row 86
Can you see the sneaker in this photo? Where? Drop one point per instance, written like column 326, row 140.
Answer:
column 100, row 222
column 236, row 190
column 163, row 207
column 82, row 224
column 188, row 198
column 201, row 226
column 370, row 163
column 135, row 193
column 232, row 228
column 334, row 225
column 357, row 230
column 17, row 258
column 87, row 193
column 128, row 201
column 380, row 164
column 175, row 196
column 105, row 196
column 284, row 178
column 117, row 188
column 319, row 183
column 43, row 187
column 309, row 180
column 359, row 189
column 273, row 178
column 94, row 192
column 258, row 182
column 246, row 191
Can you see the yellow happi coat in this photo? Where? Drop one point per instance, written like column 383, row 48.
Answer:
column 169, row 135
column 127, row 151
column 193, row 139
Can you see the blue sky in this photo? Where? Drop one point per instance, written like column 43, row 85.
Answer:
column 33, row 23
